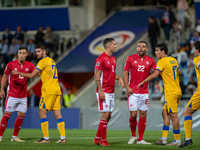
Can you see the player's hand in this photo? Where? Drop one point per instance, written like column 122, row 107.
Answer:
column 102, row 96
column 14, row 72
column 2, row 94
column 129, row 91
column 121, row 82
column 140, row 85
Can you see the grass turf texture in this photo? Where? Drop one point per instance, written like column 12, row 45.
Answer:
column 82, row 139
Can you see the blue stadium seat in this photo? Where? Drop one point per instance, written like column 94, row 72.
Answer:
column 195, row 79
column 185, row 81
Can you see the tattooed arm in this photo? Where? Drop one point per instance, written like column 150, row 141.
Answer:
column 97, row 75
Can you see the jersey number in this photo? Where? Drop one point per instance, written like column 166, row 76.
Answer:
column 175, row 72
column 113, row 69
column 54, row 68
column 141, row 68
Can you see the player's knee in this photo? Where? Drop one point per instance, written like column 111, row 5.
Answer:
column 186, row 113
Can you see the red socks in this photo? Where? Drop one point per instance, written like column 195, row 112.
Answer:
column 4, row 122
column 98, row 135
column 18, row 124
column 103, row 129
column 141, row 128
column 133, row 124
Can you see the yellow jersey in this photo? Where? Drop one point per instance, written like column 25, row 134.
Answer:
column 197, row 64
column 168, row 68
column 49, row 76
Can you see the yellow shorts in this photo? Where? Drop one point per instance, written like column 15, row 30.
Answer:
column 194, row 102
column 171, row 103
column 50, row 102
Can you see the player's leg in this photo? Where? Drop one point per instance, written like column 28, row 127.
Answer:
column 55, row 100
column 43, row 109
column 192, row 106
column 4, row 123
column 17, row 127
column 165, row 129
column 105, row 107
column 176, row 129
column 9, row 108
column 61, row 126
column 105, row 116
column 133, row 125
column 133, row 107
column 143, row 107
column 173, row 111
column 101, row 107
column 22, row 109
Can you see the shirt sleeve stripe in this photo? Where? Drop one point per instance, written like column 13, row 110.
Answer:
column 158, row 70
column 38, row 69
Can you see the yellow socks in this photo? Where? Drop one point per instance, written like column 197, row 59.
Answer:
column 188, row 126
column 177, row 135
column 61, row 127
column 45, row 127
column 165, row 131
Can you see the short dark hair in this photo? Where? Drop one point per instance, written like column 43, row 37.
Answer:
column 143, row 42
column 162, row 47
column 152, row 17
column 22, row 47
column 106, row 41
column 42, row 47
column 197, row 45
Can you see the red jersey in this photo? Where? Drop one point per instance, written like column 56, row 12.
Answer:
column 139, row 69
column 107, row 65
column 17, row 85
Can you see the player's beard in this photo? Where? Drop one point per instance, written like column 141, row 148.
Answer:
column 141, row 54
column 40, row 57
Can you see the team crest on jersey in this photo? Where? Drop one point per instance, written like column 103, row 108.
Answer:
column 98, row 64
column 16, row 69
column 147, row 62
column 27, row 69
column 135, row 62
column 108, row 62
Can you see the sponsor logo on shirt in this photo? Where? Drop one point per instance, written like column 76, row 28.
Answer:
column 98, row 64
column 122, row 39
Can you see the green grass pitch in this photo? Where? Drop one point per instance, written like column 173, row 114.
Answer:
column 82, row 139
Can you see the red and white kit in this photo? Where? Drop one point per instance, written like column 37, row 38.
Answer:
column 139, row 69
column 107, row 65
column 17, row 86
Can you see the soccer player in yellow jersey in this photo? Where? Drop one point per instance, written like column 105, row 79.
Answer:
column 168, row 68
column 194, row 103
column 50, row 99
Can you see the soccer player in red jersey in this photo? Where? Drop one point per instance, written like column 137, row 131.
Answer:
column 105, row 76
column 136, row 69
column 16, row 99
